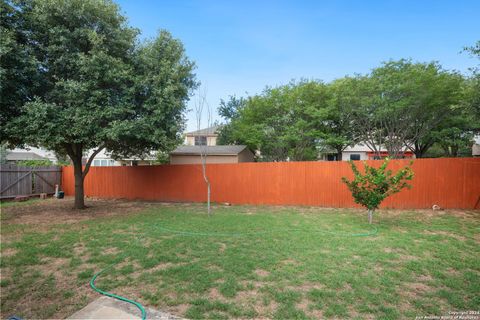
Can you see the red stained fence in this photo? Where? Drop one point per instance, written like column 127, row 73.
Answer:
column 447, row 182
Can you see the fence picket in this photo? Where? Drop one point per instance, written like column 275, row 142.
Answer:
column 447, row 182
column 28, row 181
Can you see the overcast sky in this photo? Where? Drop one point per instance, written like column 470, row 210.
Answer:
column 242, row 46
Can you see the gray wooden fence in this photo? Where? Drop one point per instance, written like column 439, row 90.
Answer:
column 28, row 181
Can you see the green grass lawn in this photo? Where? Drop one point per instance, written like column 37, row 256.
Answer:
column 248, row 262
column 13, row 203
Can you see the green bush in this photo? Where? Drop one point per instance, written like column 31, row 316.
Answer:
column 372, row 187
column 35, row 163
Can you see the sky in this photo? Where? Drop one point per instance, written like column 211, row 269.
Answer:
column 242, row 46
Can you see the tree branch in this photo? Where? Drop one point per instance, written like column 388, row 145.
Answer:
column 89, row 162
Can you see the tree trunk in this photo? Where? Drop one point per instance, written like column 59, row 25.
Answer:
column 207, row 181
column 418, row 153
column 421, row 148
column 208, row 199
column 339, row 155
column 417, row 150
column 454, row 151
column 370, row 216
column 75, row 152
column 77, row 172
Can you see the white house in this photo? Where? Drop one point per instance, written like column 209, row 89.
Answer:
column 362, row 152
column 476, row 147
column 104, row 159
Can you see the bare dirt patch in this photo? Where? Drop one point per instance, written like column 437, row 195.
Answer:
column 179, row 309
column 213, row 267
column 262, row 273
column 162, row 266
column 214, row 294
column 306, row 287
column 246, row 296
column 424, row 278
column 265, row 309
column 222, row 248
column 303, row 305
column 289, row 261
column 8, row 252
column 111, row 250
column 52, row 264
column 54, row 211
column 315, row 314
column 446, row 234
column 408, row 257
column 418, row 288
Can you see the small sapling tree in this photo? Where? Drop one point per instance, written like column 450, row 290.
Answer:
column 200, row 104
column 372, row 187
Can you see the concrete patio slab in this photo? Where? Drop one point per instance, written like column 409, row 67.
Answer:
column 108, row 308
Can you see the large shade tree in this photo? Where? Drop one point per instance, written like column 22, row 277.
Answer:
column 473, row 85
column 94, row 86
column 19, row 80
column 283, row 123
column 229, row 110
column 414, row 99
column 399, row 104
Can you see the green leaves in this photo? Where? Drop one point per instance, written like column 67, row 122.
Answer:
column 283, row 122
column 99, row 84
column 86, row 82
column 375, row 184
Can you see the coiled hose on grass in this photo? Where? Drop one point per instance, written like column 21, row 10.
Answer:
column 372, row 232
column 112, row 295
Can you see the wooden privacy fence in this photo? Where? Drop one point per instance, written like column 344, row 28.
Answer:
column 27, row 181
column 447, row 182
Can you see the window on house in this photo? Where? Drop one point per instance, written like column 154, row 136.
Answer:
column 355, row 156
column 201, row 140
column 103, row 163
column 332, row 157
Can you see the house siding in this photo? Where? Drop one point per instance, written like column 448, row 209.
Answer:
column 346, row 155
column 245, row 156
column 211, row 140
column 195, row 159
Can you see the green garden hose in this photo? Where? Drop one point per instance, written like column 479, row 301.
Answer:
column 373, row 231
column 112, row 295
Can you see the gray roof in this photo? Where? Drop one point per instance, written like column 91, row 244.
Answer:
column 209, row 150
column 20, row 156
column 203, row 132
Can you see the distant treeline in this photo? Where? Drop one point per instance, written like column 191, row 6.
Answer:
column 401, row 104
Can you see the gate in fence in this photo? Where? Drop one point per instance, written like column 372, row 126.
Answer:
column 28, row 181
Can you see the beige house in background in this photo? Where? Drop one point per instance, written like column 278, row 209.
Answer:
column 476, row 147
column 214, row 154
column 202, row 137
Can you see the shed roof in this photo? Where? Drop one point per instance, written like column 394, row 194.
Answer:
column 209, row 150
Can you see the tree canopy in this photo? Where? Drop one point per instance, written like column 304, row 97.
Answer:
column 398, row 106
column 87, row 82
column 280, row 123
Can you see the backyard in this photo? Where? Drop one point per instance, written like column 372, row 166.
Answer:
column 242, row 262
